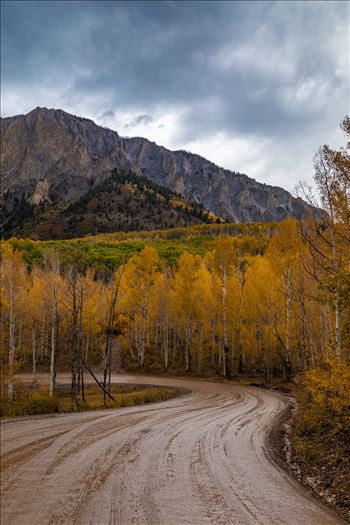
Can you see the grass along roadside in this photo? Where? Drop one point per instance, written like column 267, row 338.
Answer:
column 34, row 402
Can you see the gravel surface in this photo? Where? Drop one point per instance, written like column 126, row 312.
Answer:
column 198, row 459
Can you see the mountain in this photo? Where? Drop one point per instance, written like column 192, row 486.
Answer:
column 52, row 159
column 231, row 195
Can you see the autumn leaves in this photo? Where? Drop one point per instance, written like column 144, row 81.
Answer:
column 228, row 313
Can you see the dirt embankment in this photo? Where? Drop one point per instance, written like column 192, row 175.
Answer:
column 320, row 462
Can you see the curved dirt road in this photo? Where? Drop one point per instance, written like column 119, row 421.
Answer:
column 196, row 459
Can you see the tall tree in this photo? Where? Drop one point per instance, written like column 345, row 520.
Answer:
column 13, row 279
column 328, row 236
column 53, row 282
column 224, row 261
column 184, row 304
column 138, row 281
column 283, row 251
column 111, row 330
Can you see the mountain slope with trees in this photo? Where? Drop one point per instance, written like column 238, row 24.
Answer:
column 122, row 202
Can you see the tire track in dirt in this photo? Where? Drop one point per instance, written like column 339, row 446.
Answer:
column 197, row 459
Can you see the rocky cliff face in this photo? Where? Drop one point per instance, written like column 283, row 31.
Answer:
column 231, row 195
column 50, row 156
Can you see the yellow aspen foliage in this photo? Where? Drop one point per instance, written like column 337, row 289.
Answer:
column 184, row 303
column 136, row 295
column 329, row 389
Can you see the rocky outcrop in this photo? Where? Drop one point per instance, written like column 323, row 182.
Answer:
column 57, row 151
column 231, row 195
column 50, row 156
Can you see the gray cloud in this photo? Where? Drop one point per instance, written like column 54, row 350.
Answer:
column 256, row 71
column 139, row 119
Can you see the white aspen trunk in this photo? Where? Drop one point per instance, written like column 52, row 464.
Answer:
column 327, row 325
column 288, row 311
column 336, row 300
column 144, row 341
column 139, row 343
column 224, row 319
column 146, row 318
column 200, row 351
column 130, row 339
column 46, row 344
column 11, row 343
column 337, row 324
column 52, row 360
column 323, row 332
column 33, row 355
column 166, row 339
column 43, row 336
column 53, row 338
column 19, row 341
column 174, row 348
column 109, row 365
column 187, row 344
column 157, row 339
column 306, row 356
column 87, row 346
column 233, row 346
column 116, row 352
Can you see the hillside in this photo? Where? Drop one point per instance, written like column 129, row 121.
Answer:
column 123, row 202
column 105, row 252
column 52, row 159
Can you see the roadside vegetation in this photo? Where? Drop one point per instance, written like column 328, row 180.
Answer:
column 321, row 432
column 27, row 401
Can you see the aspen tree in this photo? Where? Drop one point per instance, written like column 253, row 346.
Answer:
column 161, row 314
column 52, row 267
column 13, row 277
column 36, row 298
column 110, row 328
column 283, row 252
column 328, row 236
column 138, row 281
column 204, row 313
column 224, row 260
column 183, row 304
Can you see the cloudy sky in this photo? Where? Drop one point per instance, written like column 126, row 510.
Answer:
column 256, row 87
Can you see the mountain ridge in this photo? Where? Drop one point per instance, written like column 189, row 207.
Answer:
column 51, row 157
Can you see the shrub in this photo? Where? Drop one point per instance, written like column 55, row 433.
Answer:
column 26, row 402
column 41, row 403
column 328, row 396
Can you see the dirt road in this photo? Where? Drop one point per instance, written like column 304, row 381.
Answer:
column 196, row 459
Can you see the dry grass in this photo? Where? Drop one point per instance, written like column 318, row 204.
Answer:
column 125, row 396
column 28, row 402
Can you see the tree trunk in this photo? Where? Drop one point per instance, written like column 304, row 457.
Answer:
column 74, row 339
column 33, row 355
column 82, row 383
column 12, row 346
column 288, row 309
column 53, row 343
